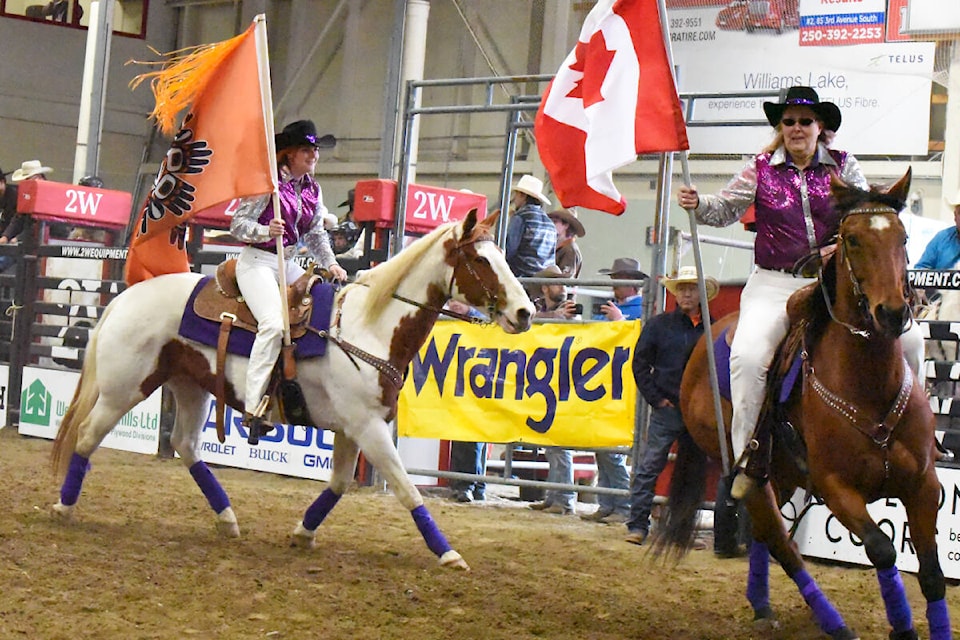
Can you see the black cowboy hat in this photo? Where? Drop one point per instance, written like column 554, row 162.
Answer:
column 828, row 112
column 349, row 200
column 303, row 133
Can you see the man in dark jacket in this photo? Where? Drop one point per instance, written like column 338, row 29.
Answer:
column 658, row 362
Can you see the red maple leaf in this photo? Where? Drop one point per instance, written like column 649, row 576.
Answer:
column 593, row 61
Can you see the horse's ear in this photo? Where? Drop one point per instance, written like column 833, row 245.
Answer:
column 836, row 184
column 490, row 221
column 469, row 223
column 901, row 188
column 845, row 197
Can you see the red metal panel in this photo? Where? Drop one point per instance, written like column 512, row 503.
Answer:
column 427, row 207
column 59, row 202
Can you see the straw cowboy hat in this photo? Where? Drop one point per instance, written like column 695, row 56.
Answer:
column 954, row 201
column 29, row 169
column 688, row 275
column 532, row 187
column 804, row 97
column 570, row 217
column 625, row 269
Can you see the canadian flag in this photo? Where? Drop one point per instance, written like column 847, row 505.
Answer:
column 613, row 98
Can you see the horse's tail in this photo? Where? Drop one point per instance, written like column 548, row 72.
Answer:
column 84, row 398
column 678, row 526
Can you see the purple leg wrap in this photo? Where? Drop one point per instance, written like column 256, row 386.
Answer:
column 428, row 529
column 214, row 493
column 758, row 582
column 72, row 484
column 317, row 511
column 827, row 617
column 938, row 617
column 895, row 599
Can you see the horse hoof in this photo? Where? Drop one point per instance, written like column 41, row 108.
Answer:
column 303, row 537
column 843, row 633
column 63, row 512
column 453, row 560
column 765, row 623
column 227, row 525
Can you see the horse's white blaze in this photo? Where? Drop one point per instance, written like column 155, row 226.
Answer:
column 879, row 223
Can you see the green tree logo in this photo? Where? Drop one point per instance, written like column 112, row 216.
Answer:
column 36, row 404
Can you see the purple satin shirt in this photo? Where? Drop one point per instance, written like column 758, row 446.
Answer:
column 297, row 219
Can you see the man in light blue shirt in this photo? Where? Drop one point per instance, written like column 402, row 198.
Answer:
column 612, row 469
column 943, row 250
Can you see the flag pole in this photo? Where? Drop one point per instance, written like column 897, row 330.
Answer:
column 698, row 259
column 266, row 99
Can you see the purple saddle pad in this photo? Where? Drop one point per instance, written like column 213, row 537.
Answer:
column 721, row 352
column 310, row 345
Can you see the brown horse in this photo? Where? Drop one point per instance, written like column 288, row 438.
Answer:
column 867, row 429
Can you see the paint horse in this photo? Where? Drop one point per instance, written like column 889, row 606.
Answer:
column 387, row 314
column 866, row 428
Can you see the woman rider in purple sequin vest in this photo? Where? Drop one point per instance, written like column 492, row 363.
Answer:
column 789, row 185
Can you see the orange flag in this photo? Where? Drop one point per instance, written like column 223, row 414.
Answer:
column 219, row 152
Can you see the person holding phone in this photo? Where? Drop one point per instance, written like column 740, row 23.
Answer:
column 627, row 302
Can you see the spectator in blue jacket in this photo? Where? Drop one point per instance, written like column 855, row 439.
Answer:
column 612, row 469
column 943, row 250
column 627, row 303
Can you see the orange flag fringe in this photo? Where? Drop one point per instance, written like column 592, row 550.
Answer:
column 219, row 152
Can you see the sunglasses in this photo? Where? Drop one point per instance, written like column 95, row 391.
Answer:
column 804, row 122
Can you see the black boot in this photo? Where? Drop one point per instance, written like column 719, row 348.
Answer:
column 255, row 428
column 725, row 521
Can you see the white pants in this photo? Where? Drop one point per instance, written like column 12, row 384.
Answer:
column 258, row 279
column 763, row 324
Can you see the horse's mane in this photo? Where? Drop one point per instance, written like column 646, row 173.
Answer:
column 382, row 281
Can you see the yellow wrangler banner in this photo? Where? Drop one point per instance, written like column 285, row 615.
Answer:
column 569, row 385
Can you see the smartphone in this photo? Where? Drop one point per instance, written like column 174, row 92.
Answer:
column 578, row 309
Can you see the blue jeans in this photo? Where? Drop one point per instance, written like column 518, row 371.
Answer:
column 561, row 471
column 612, row 473
column 666, row 425
column 468, row 457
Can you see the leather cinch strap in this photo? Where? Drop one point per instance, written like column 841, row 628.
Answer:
column 226, row 324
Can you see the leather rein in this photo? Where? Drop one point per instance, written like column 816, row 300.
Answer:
column 391, row 372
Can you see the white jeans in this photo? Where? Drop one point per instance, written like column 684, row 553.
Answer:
column 258, row 279
column 763, row 324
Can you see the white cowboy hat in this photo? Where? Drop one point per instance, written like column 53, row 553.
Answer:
column 532, row 187
column 29, row 169
column 688, row 275
column 954, row 201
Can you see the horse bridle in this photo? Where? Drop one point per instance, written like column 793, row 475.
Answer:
column 862, row 302
column 492, row 298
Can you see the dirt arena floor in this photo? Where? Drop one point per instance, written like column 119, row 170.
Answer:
column 142, row 560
